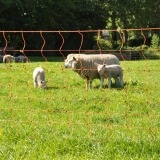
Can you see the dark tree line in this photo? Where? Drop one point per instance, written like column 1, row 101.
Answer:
column 74, row 15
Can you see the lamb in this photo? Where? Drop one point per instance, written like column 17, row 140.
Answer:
column 86, row 68
column 110, row 71
column 8, row 58
column 39, row 78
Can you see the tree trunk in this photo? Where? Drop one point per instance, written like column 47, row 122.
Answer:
column 114, row 34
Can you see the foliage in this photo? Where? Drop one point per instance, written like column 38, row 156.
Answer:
column 103, row 44
column 151, row 53
column 67, row 122
column 155, row 42
column 76, row 15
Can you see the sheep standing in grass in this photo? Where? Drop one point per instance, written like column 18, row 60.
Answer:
column 39, row 78
column 110, row 71
column 86, row 68
column 8, row 58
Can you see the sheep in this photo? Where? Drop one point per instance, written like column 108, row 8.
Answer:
column 8, row 58
column 86, row 68
column 21, row 58
column 39, row 78
column 91, row 54
column 110, row 71
column 68, row 65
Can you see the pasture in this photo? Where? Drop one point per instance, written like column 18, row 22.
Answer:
column 68, row 122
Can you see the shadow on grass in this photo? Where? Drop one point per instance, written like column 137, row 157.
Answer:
column 113, row 86
column 51, row 87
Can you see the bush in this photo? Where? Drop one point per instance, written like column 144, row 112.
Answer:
column 104, row 44
column 152, row 54
column 155, row 41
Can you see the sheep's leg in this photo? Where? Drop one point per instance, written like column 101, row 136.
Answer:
column 90, row 84
column 121, row 80
column 35, row 83
column 87, row 84
column 117, row 81
column 109, row 82
column 101, row 82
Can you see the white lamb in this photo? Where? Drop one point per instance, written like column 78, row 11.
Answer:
column 110, row 71
column 86, row 68
column 8, row 58
column 39, row 78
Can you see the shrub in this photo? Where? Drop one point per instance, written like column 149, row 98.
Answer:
column 104, row 44
column 155, row 41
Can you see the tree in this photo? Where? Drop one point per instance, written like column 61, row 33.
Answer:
column 77, row 15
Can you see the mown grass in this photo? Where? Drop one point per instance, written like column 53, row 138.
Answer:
column 68, row 122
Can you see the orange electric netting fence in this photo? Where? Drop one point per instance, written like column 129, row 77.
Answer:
column 67, row 114
column 18, row 41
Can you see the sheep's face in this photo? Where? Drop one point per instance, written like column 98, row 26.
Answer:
column 100, row 68
column 42, row 85
column 68, row 63
column 74, row 63
column 71, row 63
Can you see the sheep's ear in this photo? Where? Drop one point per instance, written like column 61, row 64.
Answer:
column 42, row 82
column 74, row 58
column 96, row 64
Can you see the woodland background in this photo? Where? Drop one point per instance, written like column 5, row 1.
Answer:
column 71, row 15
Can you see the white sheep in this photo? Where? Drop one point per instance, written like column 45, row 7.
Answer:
column 110, row 71
column 8, row 58
column 86, row 68
column 39, row 78
column 67, row 63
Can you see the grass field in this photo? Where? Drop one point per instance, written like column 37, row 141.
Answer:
column 68, row 122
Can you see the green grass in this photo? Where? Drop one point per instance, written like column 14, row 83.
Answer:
column 68, row 122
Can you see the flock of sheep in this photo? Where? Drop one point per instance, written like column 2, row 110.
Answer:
column 89, row 67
